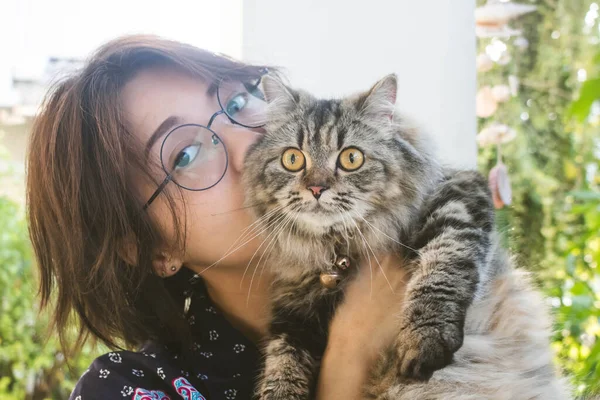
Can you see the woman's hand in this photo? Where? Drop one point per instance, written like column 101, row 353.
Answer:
column 362, row 327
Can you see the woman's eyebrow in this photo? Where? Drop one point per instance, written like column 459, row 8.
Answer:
column 212, row 89
column 162, row 129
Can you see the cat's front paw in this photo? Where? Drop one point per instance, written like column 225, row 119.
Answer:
column 280, row 394
column 423, row 350
column 282, row 387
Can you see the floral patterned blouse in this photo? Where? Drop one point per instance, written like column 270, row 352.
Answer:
column 225, row 369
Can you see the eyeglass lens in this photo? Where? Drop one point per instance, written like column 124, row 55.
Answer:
column 243, row 102
column 194, row 155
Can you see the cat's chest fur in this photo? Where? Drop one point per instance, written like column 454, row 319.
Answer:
column 303, row 253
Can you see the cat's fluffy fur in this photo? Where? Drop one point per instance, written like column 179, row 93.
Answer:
column 400, row 200
column 506, row 351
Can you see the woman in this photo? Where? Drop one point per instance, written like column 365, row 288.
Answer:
column 119, row 254
column 134, row 191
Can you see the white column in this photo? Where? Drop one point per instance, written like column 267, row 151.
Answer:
column 336, row 47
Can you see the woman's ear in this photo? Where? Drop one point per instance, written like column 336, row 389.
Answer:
column 165, row 263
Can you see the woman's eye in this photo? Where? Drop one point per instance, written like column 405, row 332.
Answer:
column 186, row 156
column 236, row 104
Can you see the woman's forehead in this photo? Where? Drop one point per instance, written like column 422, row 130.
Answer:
column 156, row 94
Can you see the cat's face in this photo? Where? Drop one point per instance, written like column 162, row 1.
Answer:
column 325, row 166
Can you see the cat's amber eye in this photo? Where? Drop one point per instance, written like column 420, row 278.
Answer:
column 293, row 160
column 351, row 159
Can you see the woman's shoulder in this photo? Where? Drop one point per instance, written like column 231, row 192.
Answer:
column 137, row 375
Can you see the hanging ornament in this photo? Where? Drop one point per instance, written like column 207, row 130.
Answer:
column 486, row 105
column 500, row 185
column 496, row 13
column 498, row 179
column 495, row 134
column 503, row 31
column 484, row 63
column 491, row 20
column 501, row 93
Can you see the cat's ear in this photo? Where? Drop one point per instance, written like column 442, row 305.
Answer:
column 277, row 94
column 380, row 101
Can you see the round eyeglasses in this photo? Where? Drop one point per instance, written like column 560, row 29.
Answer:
column 193, row 156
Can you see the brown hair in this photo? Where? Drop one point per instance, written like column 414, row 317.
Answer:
column 80, row 201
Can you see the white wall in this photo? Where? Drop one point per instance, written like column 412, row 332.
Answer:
column 335, row 47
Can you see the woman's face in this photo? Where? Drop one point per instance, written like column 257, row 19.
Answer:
column 215, row 218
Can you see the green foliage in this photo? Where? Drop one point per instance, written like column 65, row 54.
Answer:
column 31, row 367
column 553, row 224
column 589, row 93
column 578, row 314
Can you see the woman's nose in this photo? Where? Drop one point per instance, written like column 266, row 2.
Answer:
column 238, row 140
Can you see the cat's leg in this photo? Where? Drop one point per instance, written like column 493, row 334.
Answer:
column 453, row 243
column 301, row 312
column 288, row 371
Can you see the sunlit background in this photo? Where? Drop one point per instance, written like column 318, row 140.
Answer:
column 509, row 87
column 41, row 39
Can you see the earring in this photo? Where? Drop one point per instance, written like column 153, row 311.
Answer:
column 173, row 268
column 163, row 271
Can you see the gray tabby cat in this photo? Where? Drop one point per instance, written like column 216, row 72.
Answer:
column 334, row 178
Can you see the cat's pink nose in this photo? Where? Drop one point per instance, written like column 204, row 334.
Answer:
column 317, row 190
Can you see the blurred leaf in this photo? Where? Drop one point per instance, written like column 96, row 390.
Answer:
column 585, row 195
column 590, row 92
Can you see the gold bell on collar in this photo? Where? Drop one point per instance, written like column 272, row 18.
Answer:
column 330, row 280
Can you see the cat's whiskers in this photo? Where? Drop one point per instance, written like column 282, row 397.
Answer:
column 290, row 231
column 377, row 230
column 247, row 231
column 289, row 205
column 254, row 236
column 239, row 209
column 281, row 227
column 344, row 214
column 242, row 245
column 346, row 233
column 260, row 223
column 372, row 252
column 273, row 234
column 277, row 221
column 281, row 219
column 288, row 241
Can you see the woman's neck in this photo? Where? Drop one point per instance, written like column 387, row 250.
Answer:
column 245, row 305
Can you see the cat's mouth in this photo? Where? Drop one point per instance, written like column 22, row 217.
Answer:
column 321, row 222
column 320, row 217
column 318, row 207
